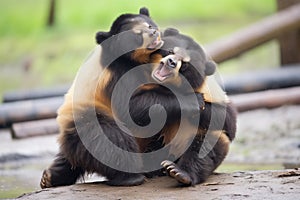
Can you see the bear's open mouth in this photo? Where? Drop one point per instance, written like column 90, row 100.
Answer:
column 155, row 44
column 162, row 72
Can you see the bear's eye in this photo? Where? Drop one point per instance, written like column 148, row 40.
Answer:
column 171, row 52
column 150, row 27
column 184, row 66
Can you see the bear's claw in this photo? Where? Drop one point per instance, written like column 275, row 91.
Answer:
column 46, row 179
column 175, row 172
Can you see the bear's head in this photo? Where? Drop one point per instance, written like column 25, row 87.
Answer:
column 179, row 57
column 134, row 36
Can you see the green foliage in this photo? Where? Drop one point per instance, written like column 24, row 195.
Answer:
column 29, row 16
column 34, row 55
column 234, row 167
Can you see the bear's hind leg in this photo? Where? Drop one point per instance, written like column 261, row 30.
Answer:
column 200, row 160
column 60, row 173
column 115, row 151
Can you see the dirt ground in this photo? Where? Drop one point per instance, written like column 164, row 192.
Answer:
column 267, row 136
column 264, row 137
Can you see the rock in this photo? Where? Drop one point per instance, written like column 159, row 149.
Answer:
column 238, row 185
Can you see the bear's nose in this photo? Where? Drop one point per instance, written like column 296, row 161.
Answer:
column 154, row 33
column 171, row 62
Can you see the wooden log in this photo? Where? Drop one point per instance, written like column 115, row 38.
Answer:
column 266, row 99
column 289, row 42
column 39, row 93
column 243, row 102
column 263, row 80
column 22, row 111
column 28, row 110
column 34, row 128
column 269, row 28
column 241, row 83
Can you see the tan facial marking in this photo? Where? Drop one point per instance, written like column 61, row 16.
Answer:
column 212, row 91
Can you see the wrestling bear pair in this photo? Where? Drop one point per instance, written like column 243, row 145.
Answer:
column 144, row 103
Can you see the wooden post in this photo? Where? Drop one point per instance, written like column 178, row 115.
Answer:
column 289, row 42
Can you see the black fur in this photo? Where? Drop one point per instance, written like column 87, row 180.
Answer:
column 190, row 168
column 74, row 159
column 123, row 44
column 124, row 23
column 78, row 155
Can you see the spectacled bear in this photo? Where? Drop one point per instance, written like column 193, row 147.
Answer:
column 196, row 150
column 129, row 43
column 197, row 129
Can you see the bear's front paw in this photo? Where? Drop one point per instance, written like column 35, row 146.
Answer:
column 174, row 171
column 46, row 179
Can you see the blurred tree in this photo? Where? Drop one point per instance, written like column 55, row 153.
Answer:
column 51, row 16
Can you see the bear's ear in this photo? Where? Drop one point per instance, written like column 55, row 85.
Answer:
column 144, row 11
column 171, row 31
column 210, row 68
column 101, row 36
